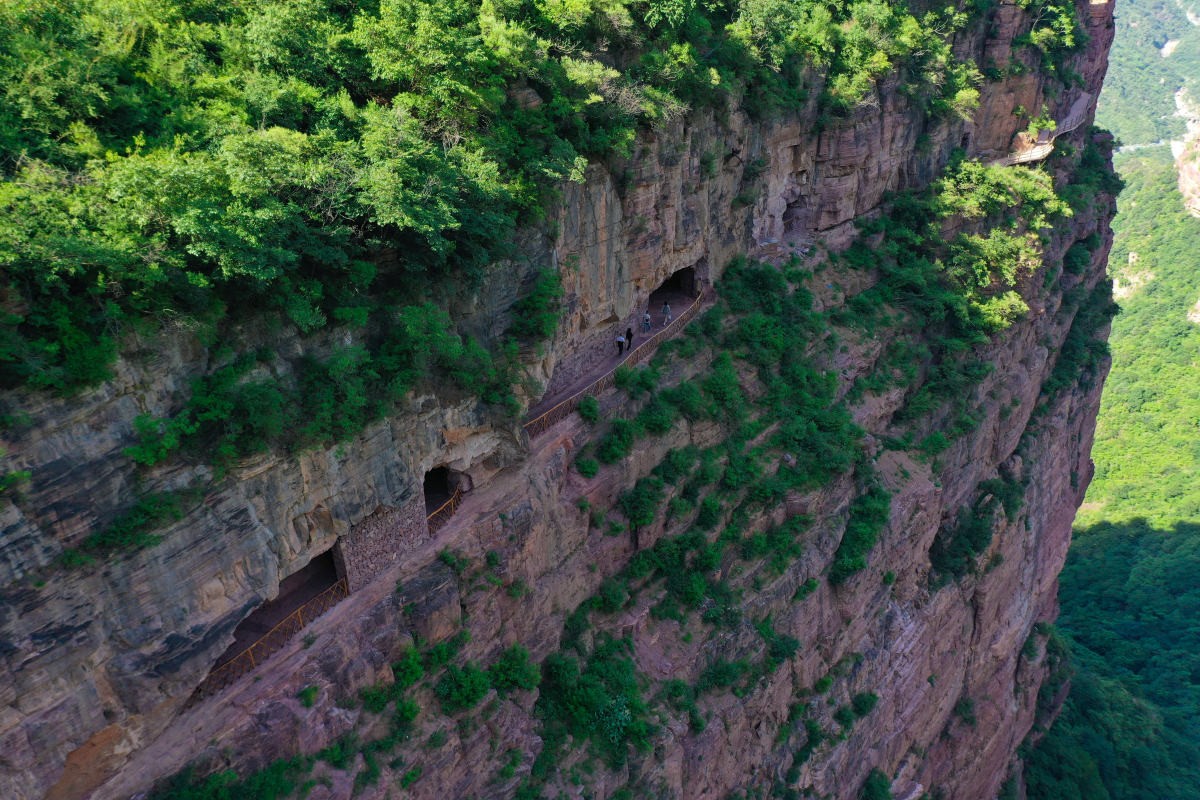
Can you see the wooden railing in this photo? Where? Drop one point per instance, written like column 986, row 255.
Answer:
column 1035, row 153
column 270, row 642
column 438, row 517
column 562, row 410
column 1045, row 143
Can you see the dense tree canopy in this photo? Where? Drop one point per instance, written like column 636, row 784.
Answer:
column 1129, row 596
column 167, row 157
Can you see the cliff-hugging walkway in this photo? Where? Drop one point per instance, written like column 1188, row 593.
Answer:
column 1043, row 146
column 598, row 371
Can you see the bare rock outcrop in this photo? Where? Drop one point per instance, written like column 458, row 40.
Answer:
column 97, row 664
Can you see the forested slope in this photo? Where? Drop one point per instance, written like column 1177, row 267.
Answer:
column 1131, row 725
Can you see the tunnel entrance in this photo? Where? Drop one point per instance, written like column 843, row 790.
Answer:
column 439, row 487
column 443, row 488
column 682, row 282
column 303, row 596
column 796, row 219
column 677, row 292
column 295, row 591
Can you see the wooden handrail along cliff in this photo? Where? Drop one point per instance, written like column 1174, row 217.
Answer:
column 270, row 642
column 563, row 409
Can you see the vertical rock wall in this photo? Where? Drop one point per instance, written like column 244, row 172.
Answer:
column 96, row 664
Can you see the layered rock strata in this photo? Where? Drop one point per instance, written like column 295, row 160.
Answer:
column 97, row 664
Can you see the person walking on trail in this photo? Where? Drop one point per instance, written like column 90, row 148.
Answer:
column 666, row 314
column 620, row 344
column 646, row 322
column 629, row 339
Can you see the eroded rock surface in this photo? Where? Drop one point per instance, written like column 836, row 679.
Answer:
column 96, row 664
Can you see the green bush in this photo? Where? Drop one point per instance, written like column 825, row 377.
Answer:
column 641, row 503
column 710, row 513
column 720, row 674
column 876, row 787
column 407, row 670
column 864, row 703
column 587, row 467
column 535, row 316
column 618, row 441
column 600, row 702
column 658, row 417
column 612, row 595
column 868, row 516
column 375, row 698
column 308, row 696
column 276, row 781
column 589, row 409
column 133, row 529
column 456, row 561
column 461, row 688
column 964, row 709
column 514, row 670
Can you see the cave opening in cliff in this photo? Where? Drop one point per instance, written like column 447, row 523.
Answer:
column 797, row 218
column 443, row 490
column 303, row 596
column 681, row 281
column 677, row 291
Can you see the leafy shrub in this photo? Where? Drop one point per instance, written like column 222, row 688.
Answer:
column 444, row 652
column 640, row 504
column 587, row 467
column 617, row 442
column 710, row 513
column 589, row 409
column 601, row 702
column 964, row 709
column 461, row 688
column 375, row 698
column 876, row 787
column 868, row 516
column 676, row 464
column 658, row 417
column 407, row 670
column 780, row 648
column 535, row 316
column 456, row 561
column 864, row 703
column 133, row 529
column 514, row 670
column 612, row 595
column 308, row 696
column 813, row 738
column 276, row 781
column 805, row 589
column 687, row 397
column 720, row 674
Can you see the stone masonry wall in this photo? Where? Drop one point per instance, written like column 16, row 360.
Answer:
column 379, row 541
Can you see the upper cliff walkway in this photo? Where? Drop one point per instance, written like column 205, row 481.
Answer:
column 1043, row 146
column 597, row 372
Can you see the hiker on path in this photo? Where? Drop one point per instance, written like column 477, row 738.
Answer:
column 629, row 338
column 646, row 322
column 666, row 314
column 620, row 344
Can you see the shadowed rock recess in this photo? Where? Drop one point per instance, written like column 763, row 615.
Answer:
column 802, row 551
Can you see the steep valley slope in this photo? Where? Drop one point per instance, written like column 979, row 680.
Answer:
column 804, row 548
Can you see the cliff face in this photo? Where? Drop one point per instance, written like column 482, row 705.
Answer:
column 97, row 663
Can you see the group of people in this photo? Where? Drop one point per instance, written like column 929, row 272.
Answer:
column 625, row 341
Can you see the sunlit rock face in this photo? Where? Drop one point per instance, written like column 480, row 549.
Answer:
column 97, row 665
